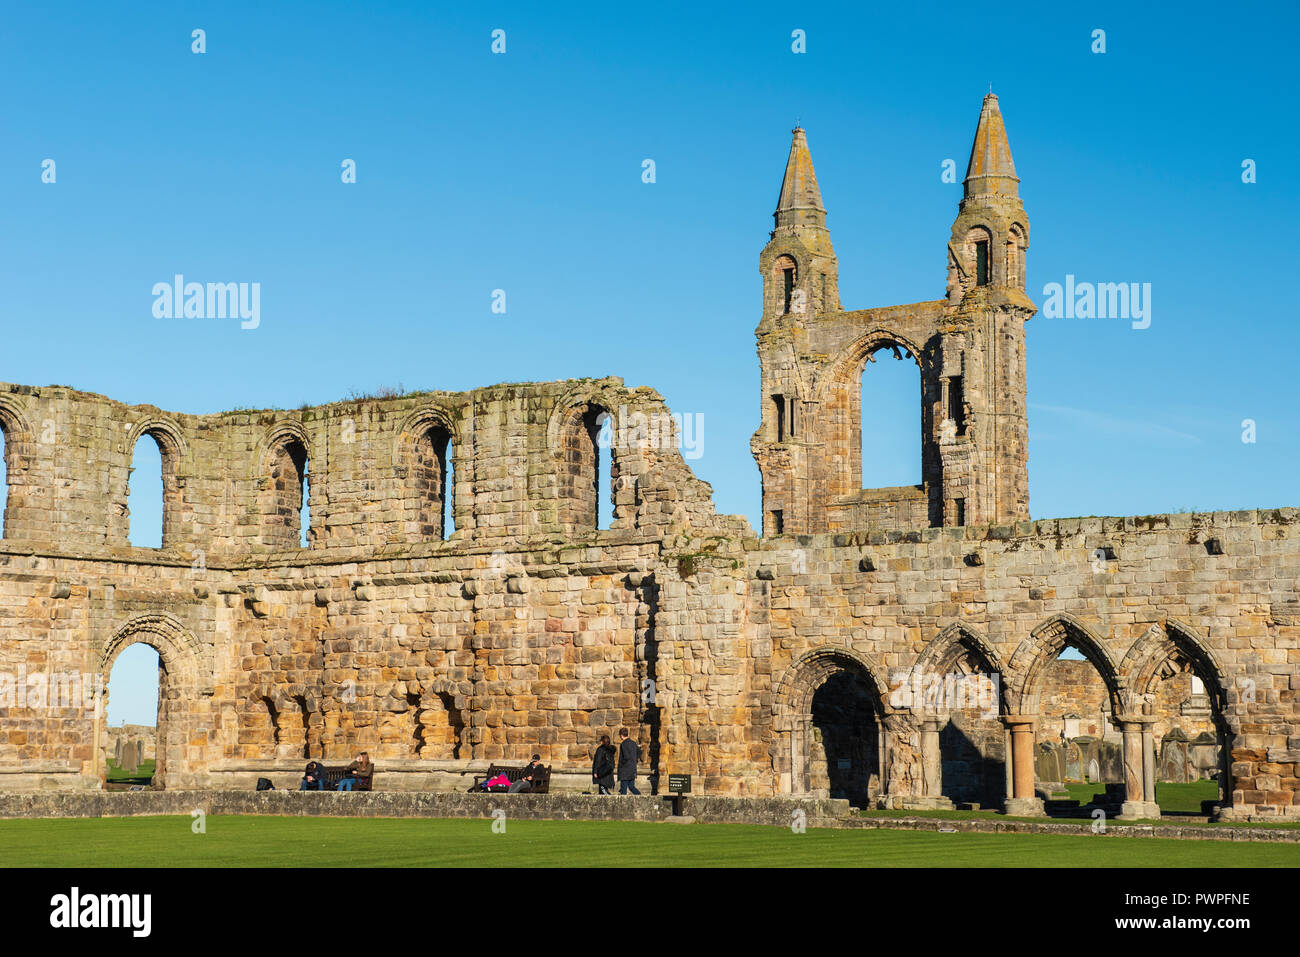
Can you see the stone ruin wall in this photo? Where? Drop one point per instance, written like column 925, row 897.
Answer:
column 527, row 631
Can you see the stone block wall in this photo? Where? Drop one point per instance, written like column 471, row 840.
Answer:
column 719, row 650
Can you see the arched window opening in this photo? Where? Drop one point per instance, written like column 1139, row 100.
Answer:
column 786, row 275
column 145, row 497
column 304, row 512
column 1016, row 258
column 890, row 420
column 289, row 521
column 134, row 743
column 435, row 484
column 590, row 468
column 979, row 244
column 604, row 467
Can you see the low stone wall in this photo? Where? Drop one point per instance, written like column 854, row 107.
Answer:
column 773, row 811
column 1068, row 828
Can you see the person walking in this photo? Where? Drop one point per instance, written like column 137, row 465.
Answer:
column 628, row 755
column 602, row 766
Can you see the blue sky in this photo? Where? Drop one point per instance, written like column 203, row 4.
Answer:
column 522, row 172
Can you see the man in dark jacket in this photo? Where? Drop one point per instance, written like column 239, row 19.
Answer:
column 313, row 778
column 531, row 776
column 628, row 755
column 602, row 766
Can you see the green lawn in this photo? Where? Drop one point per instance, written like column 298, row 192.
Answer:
column 142, row 775
column 1172, row 798
column 322, row 841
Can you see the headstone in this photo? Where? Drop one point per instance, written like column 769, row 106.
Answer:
column 1049, row 763
column 1173, row 757
column 130, row 758
column 1203, row 755
column 1112, row 763
column 117, row 751
column 1073, row 762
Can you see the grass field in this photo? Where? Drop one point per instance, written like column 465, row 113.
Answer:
column 388, row 842
column 1172, row 798
column 142, row 775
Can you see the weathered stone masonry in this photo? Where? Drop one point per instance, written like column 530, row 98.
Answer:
column 762, row 666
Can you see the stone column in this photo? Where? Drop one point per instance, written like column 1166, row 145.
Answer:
column 932, row 762
column 1136, row 729
column 1023, row 801
column 1148, row 765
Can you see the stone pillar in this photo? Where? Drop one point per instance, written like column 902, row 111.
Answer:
column 931, row 760
column 1148, row 765
column 1139, row 767
column 932, row 763
column 1023, row 801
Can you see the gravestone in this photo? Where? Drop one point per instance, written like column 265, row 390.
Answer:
column 1173, row 757
column 1112, row 762
column 1203, row 755
column 1049, row 764
column 130, row 758
column 1073, row 757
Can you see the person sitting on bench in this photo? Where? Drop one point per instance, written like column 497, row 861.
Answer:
column 360, row 770
column 525, row 782
column 313, row 779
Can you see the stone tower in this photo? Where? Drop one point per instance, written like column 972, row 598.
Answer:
column 969, row 346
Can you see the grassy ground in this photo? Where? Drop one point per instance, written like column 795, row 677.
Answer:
column 142, row 775
column 1172, row 798
column 318, row 841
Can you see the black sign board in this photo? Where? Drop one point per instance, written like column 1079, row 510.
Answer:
column 679, row 784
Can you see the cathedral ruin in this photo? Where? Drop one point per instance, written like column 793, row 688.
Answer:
column 457, row 603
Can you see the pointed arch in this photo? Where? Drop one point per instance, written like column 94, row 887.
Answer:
column 1043, row 646
column 955, row 644
column 1169, row 649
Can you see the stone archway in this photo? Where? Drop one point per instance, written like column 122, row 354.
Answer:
column 829, row 710
column 957, row 689
column 180, row 683
column 1163, row 653
column 1026, row 677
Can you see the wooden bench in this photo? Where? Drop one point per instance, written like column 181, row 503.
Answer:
column 541, row 779
column 333, row 775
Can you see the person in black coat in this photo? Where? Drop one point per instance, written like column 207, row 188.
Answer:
column 602, row 766
column 628, row 754
column 313, row 779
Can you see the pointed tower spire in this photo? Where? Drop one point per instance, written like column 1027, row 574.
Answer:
column 991, row 232
column 990, row 169
column 800, row 203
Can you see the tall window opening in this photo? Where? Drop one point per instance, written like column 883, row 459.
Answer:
column 144, row 495
column 589, row 467
column 890, row 419
column 778, row 413
column 289, row 522
column 435, row 484
column 788, row 281
column 982, row 263
column 957, row 404
column 604, row 467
